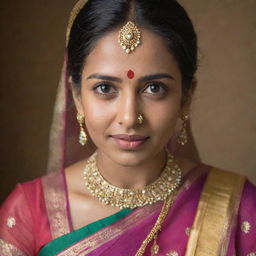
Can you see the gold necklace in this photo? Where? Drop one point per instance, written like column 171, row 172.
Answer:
column 109, row 194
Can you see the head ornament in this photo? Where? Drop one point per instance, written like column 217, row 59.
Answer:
column 129, row 37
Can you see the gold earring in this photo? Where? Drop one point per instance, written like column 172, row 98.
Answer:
column 183, row 136
column 82, row 136
column 140, row 119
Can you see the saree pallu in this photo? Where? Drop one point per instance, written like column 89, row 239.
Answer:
column 35, row 220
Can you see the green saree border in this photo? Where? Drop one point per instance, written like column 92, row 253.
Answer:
column 61, row 243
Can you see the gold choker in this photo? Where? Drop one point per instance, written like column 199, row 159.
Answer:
column 122, row 198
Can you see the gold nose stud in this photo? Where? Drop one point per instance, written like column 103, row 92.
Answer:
column 140, row 119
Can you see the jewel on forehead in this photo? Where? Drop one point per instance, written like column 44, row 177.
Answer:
column 129, row 37
column 130, row 74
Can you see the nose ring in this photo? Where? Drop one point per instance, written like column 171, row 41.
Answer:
column 140, row 119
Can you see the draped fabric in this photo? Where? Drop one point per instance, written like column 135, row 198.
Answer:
column 32, row 220
column 64, row 148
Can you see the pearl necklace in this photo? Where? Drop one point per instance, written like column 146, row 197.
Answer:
column 109, row 194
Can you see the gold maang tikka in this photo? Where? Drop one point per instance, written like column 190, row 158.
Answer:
column 129, row 37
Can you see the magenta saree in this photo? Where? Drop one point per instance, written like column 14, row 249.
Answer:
column 35, row 215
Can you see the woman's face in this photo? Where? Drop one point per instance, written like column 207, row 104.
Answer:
column 111, row 101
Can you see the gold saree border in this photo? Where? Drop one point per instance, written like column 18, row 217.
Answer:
column 56, row 204
column 215, row 217
column 7, row 249
column 87, row 245
column 76, row 9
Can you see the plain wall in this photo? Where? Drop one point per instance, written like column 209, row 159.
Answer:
column 32, row 47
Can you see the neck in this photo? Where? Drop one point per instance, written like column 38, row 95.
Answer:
column 136, row 176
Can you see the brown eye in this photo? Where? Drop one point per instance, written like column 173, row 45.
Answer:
column 155, row 88
column 104, row 88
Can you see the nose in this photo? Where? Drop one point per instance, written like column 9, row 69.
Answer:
column 128, row 110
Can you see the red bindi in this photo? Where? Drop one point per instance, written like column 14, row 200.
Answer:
column 130, row 74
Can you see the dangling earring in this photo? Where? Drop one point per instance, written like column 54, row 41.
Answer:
column 183, row 136
column 82, row 135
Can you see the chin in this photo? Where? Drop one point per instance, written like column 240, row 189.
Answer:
column 131, row 158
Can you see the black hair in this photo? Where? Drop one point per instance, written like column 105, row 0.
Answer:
column 167, row 18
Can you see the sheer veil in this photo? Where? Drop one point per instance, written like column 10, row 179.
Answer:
column 64, row 148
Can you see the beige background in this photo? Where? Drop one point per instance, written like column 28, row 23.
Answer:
column 32, row 46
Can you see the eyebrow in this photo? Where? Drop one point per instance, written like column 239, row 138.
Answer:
column 156, row 76
column 119, row 80
column 104, row 77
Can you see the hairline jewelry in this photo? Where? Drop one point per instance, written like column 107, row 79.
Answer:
column 129, row 37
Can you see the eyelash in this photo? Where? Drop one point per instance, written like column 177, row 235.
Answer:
column 162, row 86
column 98, row 85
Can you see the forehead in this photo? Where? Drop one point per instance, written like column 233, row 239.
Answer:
column 151, row 56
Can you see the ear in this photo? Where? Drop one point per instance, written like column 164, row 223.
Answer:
column 76, row 97
column 187, row 99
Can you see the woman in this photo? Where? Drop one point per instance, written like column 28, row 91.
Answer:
column 128, row 76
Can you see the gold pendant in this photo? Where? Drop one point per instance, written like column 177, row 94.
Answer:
column 129, row 37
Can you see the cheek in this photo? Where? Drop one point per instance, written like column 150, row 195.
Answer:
column 164, row 115
column 98, row 114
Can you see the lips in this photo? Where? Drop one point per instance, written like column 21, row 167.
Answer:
column 129, row 137
column 125, row 141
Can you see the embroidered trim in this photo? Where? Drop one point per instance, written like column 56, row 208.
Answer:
column 7, row 249
column 56, row 204
column 172, row 253
column 187, row 231
column 246, row 227
column 222, row 193
column 11, row 222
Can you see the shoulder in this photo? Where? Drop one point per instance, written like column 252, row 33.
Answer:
column 248, row 203
column 243, row 193
column 17, row 218
column 246, row 221
column 241, row 207
column 23, row 212
column 232, row 181
column 249, row 193
column 22, row 194
column 21, row 201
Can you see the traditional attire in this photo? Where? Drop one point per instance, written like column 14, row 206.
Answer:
column 213, row 212
column 35, row 220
